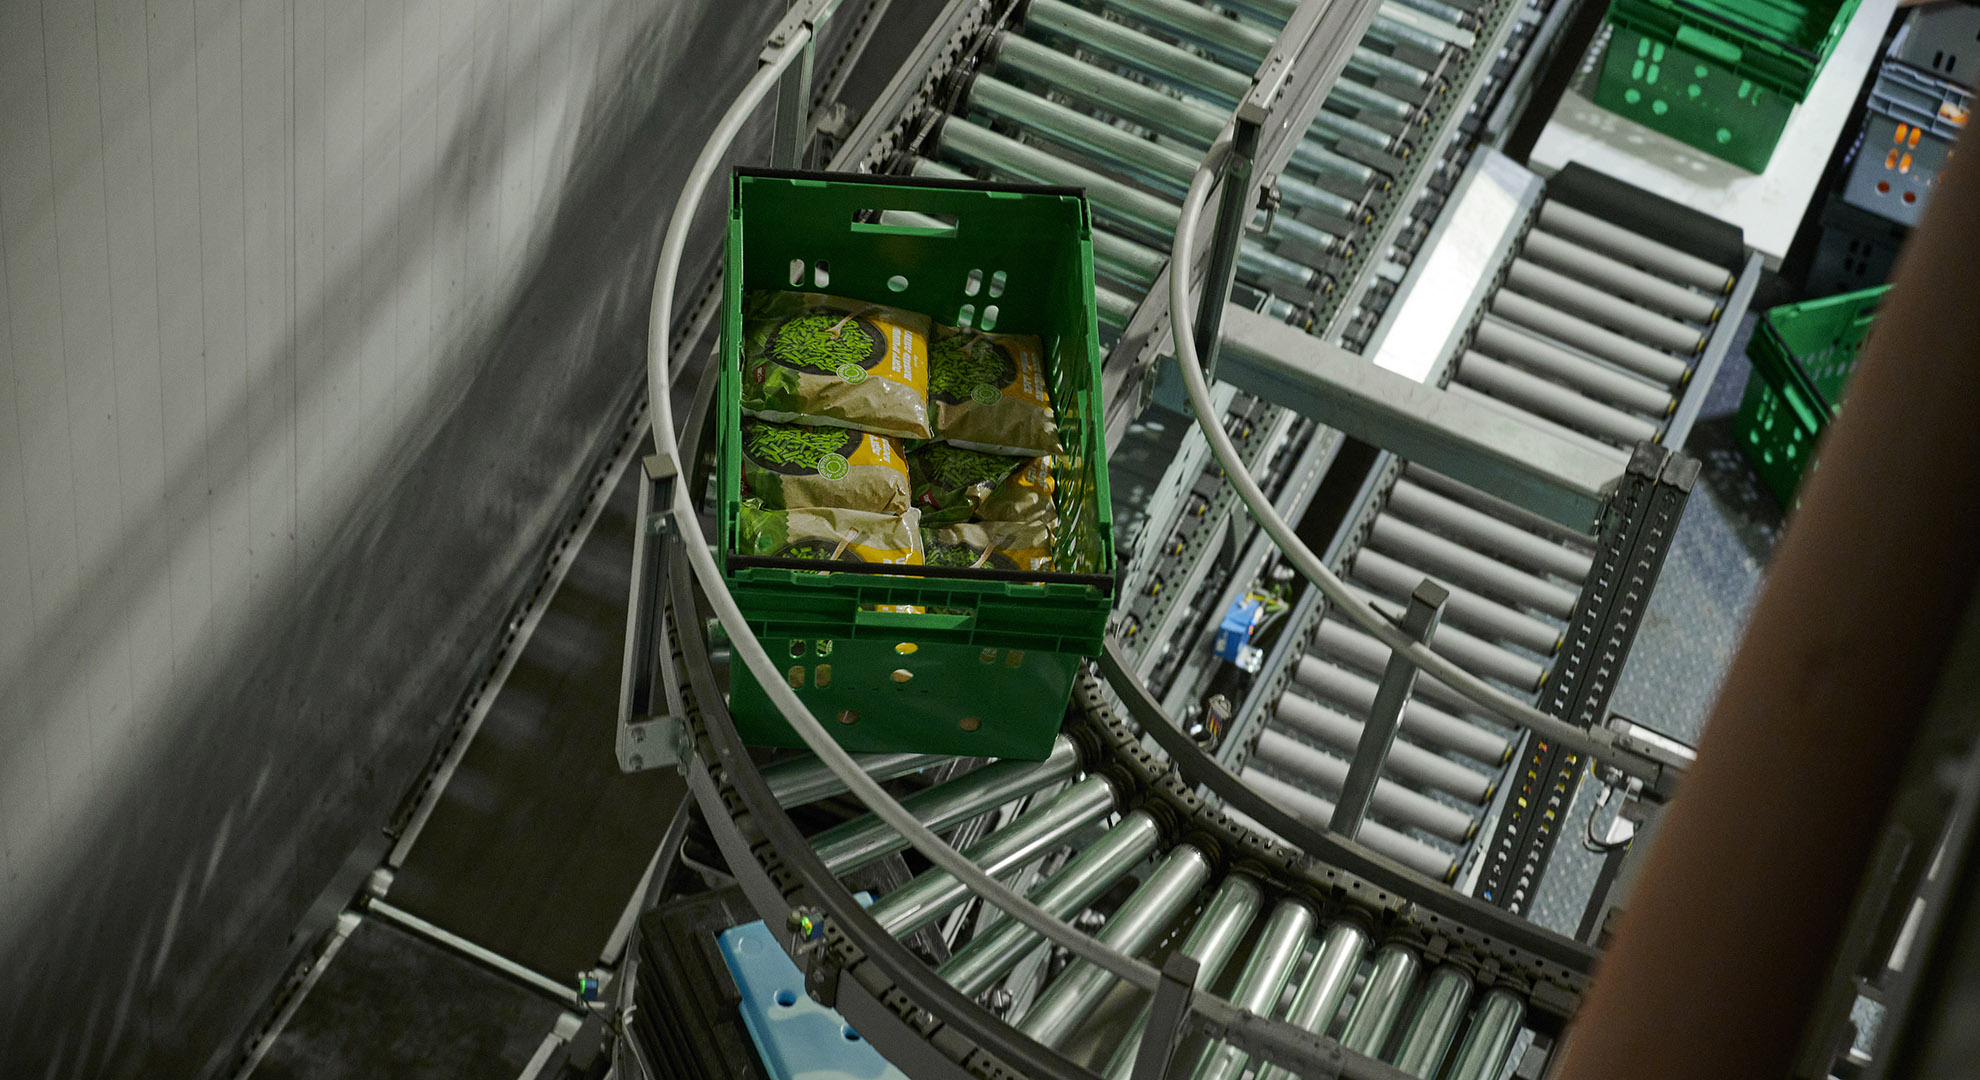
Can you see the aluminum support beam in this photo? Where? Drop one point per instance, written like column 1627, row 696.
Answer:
column 1379, row 734
column 1562, row 481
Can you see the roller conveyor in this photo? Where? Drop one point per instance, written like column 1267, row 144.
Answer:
column 1433, row 1026
column 1182, row 119
column 1397, row 70
column 1323, row 772
column 975, row 967
column 1488, row 1039
column 1627, row 282
column 1168, row 169
column 1604, row 308
column 1136, row 925
column 1598, row 341
column 1470, row 568
column 1421, row 721
column 1326, row 984
column 1559, row 403
column 1349, row 99
column 1534, row 420
column 1652, row 255
column 1602, row 383
column 1379, row 1007
column 1212, row 941
column 1426, row 858
column 1262, row 980
column 1124, row 206
column 1431, row 527
column 1141, row 158
column 1237, row 42
column 932, row 894
column 1482, row 657
column 1394, row 578
column 1594, row 331
column 865, row 839
column 1114, row 309
column 1317, row 724
column 804, row 780
column 1062, row 94
column 1351, row 647
column 1147, row 213
column 1414, row 502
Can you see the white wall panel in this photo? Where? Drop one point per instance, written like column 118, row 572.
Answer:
column 255, row 257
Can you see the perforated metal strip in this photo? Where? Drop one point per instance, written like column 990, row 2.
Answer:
column 1635, row 540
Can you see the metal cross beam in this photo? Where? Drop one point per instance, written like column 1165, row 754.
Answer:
column 1566, row 483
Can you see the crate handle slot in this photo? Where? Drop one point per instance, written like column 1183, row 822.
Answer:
column 1700, row 41
column 948, row 619
column 916, row 223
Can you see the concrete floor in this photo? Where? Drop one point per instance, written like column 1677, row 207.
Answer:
column 392, row 1005
column 531, row 852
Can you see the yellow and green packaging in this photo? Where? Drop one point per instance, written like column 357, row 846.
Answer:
column 950, row 482
column 1025, row 495
column 988, row 392
column 826, row 360
column 994, row 545
column 798, row 465
column 828, row 534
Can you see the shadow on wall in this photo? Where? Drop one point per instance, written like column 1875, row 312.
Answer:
column 173, row 915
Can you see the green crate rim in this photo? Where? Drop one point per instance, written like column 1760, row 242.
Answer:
column 1782, row 66
column 1092, row 591
column 1778, row 372
column 1782, row 361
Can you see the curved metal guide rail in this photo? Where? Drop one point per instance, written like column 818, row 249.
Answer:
column 1448, row 978
column 932, row 1018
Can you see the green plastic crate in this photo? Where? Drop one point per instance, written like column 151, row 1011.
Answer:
column 1720, row 76
column 988, row 669
column 1803, row 355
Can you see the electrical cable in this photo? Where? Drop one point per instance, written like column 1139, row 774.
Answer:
column 1588, row 841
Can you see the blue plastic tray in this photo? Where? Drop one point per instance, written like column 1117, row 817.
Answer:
column 796, row 1037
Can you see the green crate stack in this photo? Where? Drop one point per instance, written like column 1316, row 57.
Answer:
column 1720, row 75
column 1803, row 355
column 987, row 668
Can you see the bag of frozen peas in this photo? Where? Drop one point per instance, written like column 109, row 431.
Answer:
column 828, row 534
column 825, row 360
column 1025, row 495
column 949, row 482
column 994, row 545
column 988, row 392
column 797, row 465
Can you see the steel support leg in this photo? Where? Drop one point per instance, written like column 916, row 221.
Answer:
column 1233, row 214
column 1419, row 621
column 793, row 113
column 1165, row 1018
